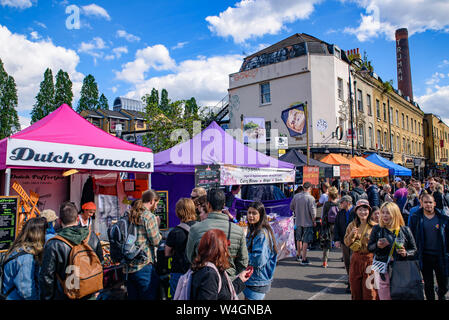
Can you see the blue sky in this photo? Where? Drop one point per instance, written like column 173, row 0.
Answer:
column 190, row 47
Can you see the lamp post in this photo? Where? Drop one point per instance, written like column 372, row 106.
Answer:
column 358, row 63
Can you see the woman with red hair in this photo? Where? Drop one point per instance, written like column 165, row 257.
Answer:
column 209, row 278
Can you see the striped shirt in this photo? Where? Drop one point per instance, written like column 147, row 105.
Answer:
column 148, row 237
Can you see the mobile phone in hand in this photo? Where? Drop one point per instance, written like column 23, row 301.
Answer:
column 249, row 271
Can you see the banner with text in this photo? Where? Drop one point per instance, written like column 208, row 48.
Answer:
column 311, row 174
column 231, row 175
column 46, row 154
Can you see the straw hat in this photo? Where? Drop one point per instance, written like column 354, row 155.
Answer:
column 49, row 214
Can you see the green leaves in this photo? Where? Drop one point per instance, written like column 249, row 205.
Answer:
column 9, row 120
column 89, row 94
column 103, row 102
column 63, row 87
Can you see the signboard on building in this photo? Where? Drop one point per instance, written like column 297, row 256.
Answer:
column 336, row 171
column 207, row 176
column 295, row 119
column 281, row 142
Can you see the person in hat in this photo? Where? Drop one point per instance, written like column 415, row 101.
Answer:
column 86, row 216
column 51, row 217
column 357, row 238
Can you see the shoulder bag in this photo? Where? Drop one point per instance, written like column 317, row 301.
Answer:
column 380, row 266
column 357, row 244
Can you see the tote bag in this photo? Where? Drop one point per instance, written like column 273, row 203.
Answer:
column 406, row 281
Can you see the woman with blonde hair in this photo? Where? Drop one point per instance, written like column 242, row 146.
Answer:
column 391, row 228
column 177, row 241
column 22, row 262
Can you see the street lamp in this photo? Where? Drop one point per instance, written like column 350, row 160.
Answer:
column 358, row 63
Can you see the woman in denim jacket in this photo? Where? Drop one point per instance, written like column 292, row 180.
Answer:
column 262, row 252
column 20, row 279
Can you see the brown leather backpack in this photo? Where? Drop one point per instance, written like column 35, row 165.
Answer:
column 84, row 270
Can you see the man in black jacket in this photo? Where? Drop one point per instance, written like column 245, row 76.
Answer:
column 373, row 193
column 57, row 252
column 344, row 218
column 357, row 192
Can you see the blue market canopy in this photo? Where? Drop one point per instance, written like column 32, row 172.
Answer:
column 299, row 159
column 393, row 168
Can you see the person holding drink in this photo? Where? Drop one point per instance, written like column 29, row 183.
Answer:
column 390, row 230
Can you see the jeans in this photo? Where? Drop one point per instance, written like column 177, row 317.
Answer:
column 143, row 284
column 429, row 265
column 174, row 278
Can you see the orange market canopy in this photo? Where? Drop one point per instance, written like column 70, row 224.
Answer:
column 375, row 170
column 357, row 171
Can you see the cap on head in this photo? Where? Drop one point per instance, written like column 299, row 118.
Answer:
column 307, row 185
column 362, row 203
column 346, row 199
column 89, row 206
column 49, row 214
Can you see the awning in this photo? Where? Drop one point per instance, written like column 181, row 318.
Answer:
column 393, row 168
column 357, row 171
column 375, row 170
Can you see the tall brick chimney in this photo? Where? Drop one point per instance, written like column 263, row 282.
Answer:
column 403, row 63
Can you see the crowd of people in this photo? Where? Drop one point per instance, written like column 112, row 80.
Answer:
column 381, row 230
column 399, row 239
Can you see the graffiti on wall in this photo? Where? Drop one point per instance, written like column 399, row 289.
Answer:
column 283, row 54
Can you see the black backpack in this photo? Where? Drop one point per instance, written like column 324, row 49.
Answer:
column 122, row 240
column 3, row 262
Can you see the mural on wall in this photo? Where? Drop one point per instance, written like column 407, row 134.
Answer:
column 295, row 119
column 254, row 130
column 283, row 54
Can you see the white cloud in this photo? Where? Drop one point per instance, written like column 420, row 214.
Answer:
column 27, row 61
column 20, row 4
column 128, row 36
column 435, row 79
column 117, row 53
column 206, row 79
column 180, row 45
column 35, row 35
column 24, row 122
column 383, row 17
column 255, row 18
column 444, row 64
column 93, row 48
column 40, row 24
column 95, row 10
column 436, row 101
column 156, row 57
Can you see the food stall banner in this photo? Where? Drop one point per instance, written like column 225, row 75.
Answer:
column 232, row 175
column 295, row 120
column 31, row 153
column 311, row 174
column 207, row 177
column 8, row 221
column 345, row 172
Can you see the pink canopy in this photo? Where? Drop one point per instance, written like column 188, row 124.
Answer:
column 65, row 126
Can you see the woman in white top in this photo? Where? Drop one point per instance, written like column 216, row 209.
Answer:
column 85, row 218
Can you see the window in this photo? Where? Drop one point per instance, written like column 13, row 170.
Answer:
column 377, row 109
column 359, row 100
column 368, row 104
column 416, row 130
column 404, row 148
column 407, row 123
column 397, row 118
column 379, row 139
column 385, row 112
column 265, row 96
column 140, row 124
column 398, row 144
column 370, row 137
column 392, row 142
column 419, row 128
column 391, row 115
column 268, row 130
column 411, row 124
column 361, row 136
column 340, row 88
column 385, row 141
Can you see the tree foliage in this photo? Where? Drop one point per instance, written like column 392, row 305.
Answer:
column 89, row 94
column 9, row 120
column 63, row 89
column 103, row 102
column 45, row 98
column 164, row 117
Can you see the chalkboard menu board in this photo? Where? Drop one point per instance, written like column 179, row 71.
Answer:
column 207, row 177
column 162, row 209
column 8, row 221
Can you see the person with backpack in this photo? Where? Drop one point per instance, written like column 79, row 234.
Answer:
column 175, row 245
column 357, row 192
column 400, row 196
column 412, row 201
column 385, row 194
column 216, row 219
column 373, row 192
column 143, row 280
column 209, row 279
column 330, row 212
column 72, row 261
column 262, row 252
column 21, row 263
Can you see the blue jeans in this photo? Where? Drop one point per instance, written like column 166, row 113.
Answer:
column 143, row 284
column 174, row 278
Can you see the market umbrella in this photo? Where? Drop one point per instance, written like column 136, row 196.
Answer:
column 357, row 171
column 376, row 171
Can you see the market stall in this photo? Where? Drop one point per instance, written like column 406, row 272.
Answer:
column 393, row 168
column 375, row 170
column 357, row 171
column 64, row 157
column 213, row 158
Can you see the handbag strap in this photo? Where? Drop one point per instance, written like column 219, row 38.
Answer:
column 394, row 244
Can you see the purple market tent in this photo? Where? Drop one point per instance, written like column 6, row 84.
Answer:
column 174, row 169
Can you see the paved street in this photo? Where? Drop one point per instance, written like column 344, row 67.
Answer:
column 293, row 281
